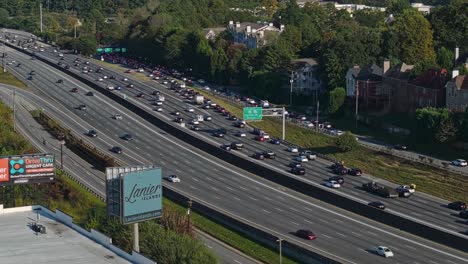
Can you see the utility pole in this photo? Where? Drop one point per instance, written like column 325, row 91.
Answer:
column 14, row 110
column 284, row 123
column 4, row 51
column 317, row 115
column 357, row 101
column 75, row 30
column 291, row 80
column 40, row 14
column 189, row 208
column 280, row 240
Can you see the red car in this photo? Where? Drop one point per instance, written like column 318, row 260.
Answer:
column 74, row 90
column 128, row 71
column 307, row 234
column 260, row 138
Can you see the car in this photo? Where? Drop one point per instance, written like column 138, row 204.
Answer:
column 125, row 79
column 165, row 82
column 218, row 134
column 110, row 87
column 67, row 67
column 130, row 86
column 30, row 77
column 84, row 71
column 128, row 71
column 195, row 128
column 337, row 179
column 269, row 154
column 117, row 150
column 293, row 149
column 265, row 135
column 32, row 73
column 301, row 159
column 463, row 214
column 118, row 88
column 140, row 95
column 295, row 164
column 89, row 94
column 260, row 138
column 459, row 206
column 158, row 109
column 189, row 109
column 401, row 147
column 298, row 170
column 239, row 124
column 355, row 172
column 258, row 155
column 275, row 141
column 118, row 117
column 309, row 154
column 127, row 137
column 99, row 79
column 105, row 77
column 155, row 92
column 179, row 120
column 226, row 147
column 258, row 131
column 307, row 234
column 82, row 107
column 194, row 122
column 87, row 62
column 208, row 118
column 240, row 134
column 112, row 77
column 332, row 184
column 173, row 178
column 378, row 205
column 384, row 251
column 232, row 118
column 74, row 90
column 91, row 133
column 158, row 103
column 459, row 163
column 237, row 145
column 410, row 188
column 59, row 81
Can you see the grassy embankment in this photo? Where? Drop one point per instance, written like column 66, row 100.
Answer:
column 8, row 78
column 433, row 181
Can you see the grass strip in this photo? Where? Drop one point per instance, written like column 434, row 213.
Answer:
column 118, row 67
column 8, row 78
column 428, row 179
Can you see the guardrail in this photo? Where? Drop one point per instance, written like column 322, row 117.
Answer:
column 387, row 218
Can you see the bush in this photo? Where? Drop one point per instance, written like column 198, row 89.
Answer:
column 346, row 142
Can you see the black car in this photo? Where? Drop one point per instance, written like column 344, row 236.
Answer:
column 307, row 234
column 258, row 155
column 237, row 145
column 130, row 86
column 155, row 93
column 269, row 154
column 112, row 77
column 127, row 137
column 338, row 179
column 463, row 214
column 232, row 118
column 295, row 164
column 401, row 147
column 30, row 77
column 195, row 128
column 378, row 205
column 340, row 170
column 179, row 119
column 355, row 172
column 275, row 141
column 89, row 94
column 226, row 147
column 92, row 133
column 74, row 90
column 67, row 67
column 459, row 206
column 59, row 81
column 82, row 107
column 298, row 170
column 140, row 95
column 218, row 134
column 32, row 73
column 239, row 124
column 117, row 150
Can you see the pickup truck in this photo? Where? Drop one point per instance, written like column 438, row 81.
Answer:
column 380, row 190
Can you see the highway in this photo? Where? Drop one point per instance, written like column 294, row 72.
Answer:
column 95, row 179
column 341, row 235
column 420, row 207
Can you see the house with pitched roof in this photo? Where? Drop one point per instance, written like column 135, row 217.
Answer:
column 253, row 35
column 456, row 91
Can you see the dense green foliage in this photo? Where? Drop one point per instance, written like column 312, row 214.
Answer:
column 346, row 142
column 336, row 100
column 435, row 125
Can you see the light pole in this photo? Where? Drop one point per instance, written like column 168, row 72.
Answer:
column 4, row 51
column 280, row 240
column 189, row 207
column 291, row 80
column 357, row 101
column 14, row 110
column 61, row 139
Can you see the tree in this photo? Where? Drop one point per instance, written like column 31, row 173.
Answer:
column 414, row 37
column 336, row 100
column 397, row 7
column 86, row 45
column 446, row 132
column 270, row 7
column 3, row 16
column 463, row 129
column 434, row 125
column 333, row 68
column 346, row 142
column 445, row 58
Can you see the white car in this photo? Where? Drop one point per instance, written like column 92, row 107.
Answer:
column 266, row 136
column 85, row 71
column 118, row 117
column 195, row 122
column 301, row 159
column 151, row 75
column 60, row 55
column 410, row 189
column 332, row 184
column 105, row 77
column 293, row 149
column 110, row 87
column 240, row 134
column 459, row 163
column 384, row 251
column 156, row 78
column 173, row 178
column 41, row 50
column 100, row 79
column 208, row 118
column 165, row 82
column 159, row 109
column 159, row 103
column 125, row 79
column 189, row 109
column 141, row 70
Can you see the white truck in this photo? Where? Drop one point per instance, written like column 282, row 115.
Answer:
column 198, row 99
column 160, row 98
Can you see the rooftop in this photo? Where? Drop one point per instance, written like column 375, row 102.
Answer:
column 461, row 82
column 432, row 78
column 61, row 244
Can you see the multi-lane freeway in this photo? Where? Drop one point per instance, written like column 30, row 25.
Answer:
column 420, row 207
column 342, row 235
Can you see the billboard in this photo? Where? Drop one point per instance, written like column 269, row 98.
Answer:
column 134, row 193
column 142, row 196
column 24, row 169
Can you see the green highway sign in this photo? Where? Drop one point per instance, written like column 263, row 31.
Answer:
column 253, row 113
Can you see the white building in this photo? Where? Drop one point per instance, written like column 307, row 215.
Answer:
column 425, row 9
column 253, row 35
column 305, row 77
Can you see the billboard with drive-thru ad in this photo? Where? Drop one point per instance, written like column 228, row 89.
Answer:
column 26, row 169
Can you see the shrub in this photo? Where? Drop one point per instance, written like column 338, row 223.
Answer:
column 346, row 142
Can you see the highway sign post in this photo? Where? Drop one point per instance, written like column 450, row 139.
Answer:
column 253, row 113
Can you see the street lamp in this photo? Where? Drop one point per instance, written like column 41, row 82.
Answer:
column 280, row 240
column 4, row 50
column 291, row 80
column 61, row 138
column 189, row 204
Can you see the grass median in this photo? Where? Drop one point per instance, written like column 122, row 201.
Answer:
column 8, row 78
column 430, row 180
column 119, row 67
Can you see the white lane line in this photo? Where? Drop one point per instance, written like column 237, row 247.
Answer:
column 195, row 179
column 266, row 211
column 294, row 209
column 243, row 188
column 214, row 188
column 417, row 214
column 295, row 223
column 237, row 198
column 308, row 221
column 252, row 198
column 193, row 187
column 237, row 261
column 278, row 209
column 229, row 188
column 410, row 247
column 371, row 233
column 452, row 226
column 431, row 261
column 217, row 197
column 338, row 221
column 340, row 234
column 327, row 236
column 208, row 179
column 177, row 170
column 356, row 234
column 268, row 198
